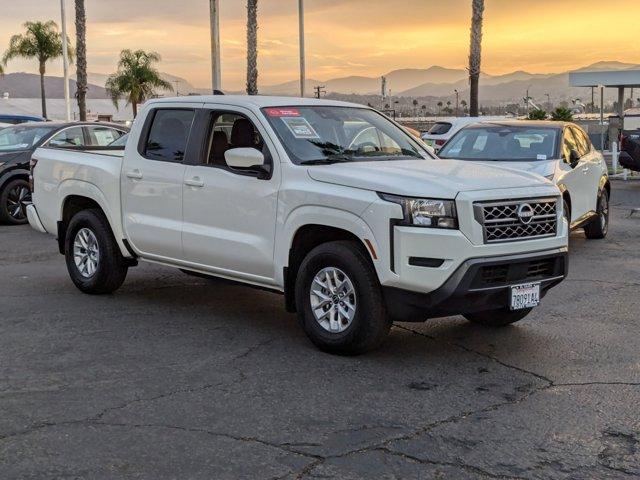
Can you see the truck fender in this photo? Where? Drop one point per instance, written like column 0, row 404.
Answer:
column 324, row 216
column 74, row 187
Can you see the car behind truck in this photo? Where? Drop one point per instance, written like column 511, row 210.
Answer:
column 330, row 203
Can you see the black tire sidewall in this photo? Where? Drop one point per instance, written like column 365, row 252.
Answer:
column 5, row 216
column 91, row 220
column 368, row 322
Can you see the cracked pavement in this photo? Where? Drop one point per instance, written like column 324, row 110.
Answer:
column 181, row 377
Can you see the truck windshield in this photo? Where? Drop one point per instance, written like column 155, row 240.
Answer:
column 499, row 142
column 21, row 137
column 315, row 135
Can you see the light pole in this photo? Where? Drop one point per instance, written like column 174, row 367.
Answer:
column 65, row 61
column 457, row 102
column 215, row 44
column 301, row 38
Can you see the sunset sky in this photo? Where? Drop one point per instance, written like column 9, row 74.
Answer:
column 345, row 37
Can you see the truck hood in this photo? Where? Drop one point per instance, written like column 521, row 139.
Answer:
column 433, row 178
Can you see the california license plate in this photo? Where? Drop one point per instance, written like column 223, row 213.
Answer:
column 525, row 296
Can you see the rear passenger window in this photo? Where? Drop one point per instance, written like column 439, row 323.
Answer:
column 167, row 140
column 103, row 136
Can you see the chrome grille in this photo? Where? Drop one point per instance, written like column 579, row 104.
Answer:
column 511, row 220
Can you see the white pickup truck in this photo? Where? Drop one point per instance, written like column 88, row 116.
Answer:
column 330, row 203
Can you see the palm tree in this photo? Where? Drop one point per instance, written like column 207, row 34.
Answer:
column 252, row 47
column 41, row 41
column 475, row 54
column 1, row 70
column 439, row 107
column 136, row 78
column 81, row 61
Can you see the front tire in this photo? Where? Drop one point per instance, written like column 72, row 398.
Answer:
column 339, row 301
column 599, row 227
column 93, row 257
column 497, row 318
column 14, row 198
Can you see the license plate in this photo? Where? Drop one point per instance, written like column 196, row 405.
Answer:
column 429, row 142
column 525, row 296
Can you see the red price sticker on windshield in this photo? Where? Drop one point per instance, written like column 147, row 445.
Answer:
column 283, row 112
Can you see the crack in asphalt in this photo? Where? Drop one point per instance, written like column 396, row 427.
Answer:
column 468, row 468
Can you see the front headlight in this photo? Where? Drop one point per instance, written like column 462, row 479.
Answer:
column 426, row 212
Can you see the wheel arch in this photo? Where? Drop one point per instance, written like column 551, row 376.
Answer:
column 308, row 236
column 76, row 201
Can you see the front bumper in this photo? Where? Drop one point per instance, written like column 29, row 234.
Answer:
column 479, row 284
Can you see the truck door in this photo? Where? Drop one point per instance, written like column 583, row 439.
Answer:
column 152, row 177
column 229, row 215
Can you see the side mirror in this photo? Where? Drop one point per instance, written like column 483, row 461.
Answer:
column 574, row 158
column 244, row 158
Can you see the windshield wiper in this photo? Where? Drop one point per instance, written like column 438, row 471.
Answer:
column 328, row 160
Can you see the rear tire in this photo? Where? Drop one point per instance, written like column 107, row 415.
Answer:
column 598, row 228
column 497, row 318
column 94, row 260
column 14, row 198
column 353, row 288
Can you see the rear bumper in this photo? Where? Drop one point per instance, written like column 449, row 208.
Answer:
column 34, row 219
column 479, row 284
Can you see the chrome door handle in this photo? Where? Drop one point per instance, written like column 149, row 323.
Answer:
column 134, row 174
column 194, row 182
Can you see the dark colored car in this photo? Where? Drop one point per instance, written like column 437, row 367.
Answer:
column 17, row 144
column 630, row 150
column 17, row 119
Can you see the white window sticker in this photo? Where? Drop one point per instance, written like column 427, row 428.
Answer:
column 300, row 127
column 541, row 157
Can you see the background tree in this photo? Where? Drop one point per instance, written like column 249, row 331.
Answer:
column 1, row 70
column 81, row 59
column 439, row 104
column 562, row 114
column 537, row 114
column 252, row 47
column 41, row 41
column 136, row 78
column 475, row 51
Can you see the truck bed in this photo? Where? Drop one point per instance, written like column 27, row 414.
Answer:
column 62, row 173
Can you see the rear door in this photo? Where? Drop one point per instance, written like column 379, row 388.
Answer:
column 230, row 214
column 574, row 177
column 152, row 182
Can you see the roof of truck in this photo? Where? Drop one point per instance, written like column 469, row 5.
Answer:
column 259, row 101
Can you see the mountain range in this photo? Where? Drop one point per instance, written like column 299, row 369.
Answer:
column 433, row 83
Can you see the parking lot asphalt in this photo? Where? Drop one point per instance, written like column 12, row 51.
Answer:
column 187, row 378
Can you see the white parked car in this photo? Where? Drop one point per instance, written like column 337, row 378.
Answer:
column 329, row 203
column 559, row 151
column 447, row 127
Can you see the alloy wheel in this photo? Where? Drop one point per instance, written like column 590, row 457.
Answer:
column 86, row 252
column 17, row 200
column 333, row 299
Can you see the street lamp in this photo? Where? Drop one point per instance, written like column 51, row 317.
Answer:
column 301, row 39
column 65, row 61
column 457, row 102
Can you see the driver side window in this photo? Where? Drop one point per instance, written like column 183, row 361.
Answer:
column 70, row 137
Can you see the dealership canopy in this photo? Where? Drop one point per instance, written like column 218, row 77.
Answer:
column 619, row 79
